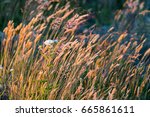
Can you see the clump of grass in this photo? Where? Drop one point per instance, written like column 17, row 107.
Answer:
column 46, row 59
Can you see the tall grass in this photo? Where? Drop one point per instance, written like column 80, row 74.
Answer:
column 70, row 65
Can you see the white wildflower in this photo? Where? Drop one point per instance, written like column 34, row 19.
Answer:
column 1, row 67
column 11, row 70
column 49, row 42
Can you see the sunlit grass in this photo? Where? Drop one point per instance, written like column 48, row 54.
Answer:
column 46, row 59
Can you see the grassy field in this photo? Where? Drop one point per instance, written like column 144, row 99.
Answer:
column 44, row 57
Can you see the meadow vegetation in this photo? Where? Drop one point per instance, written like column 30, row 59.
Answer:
column 44, row 57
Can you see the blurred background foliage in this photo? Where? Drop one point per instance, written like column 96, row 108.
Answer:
column 102, row 11
column 10, row 10
column 123, row 17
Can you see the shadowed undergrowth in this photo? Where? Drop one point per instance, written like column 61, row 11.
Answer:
column 47, row 59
